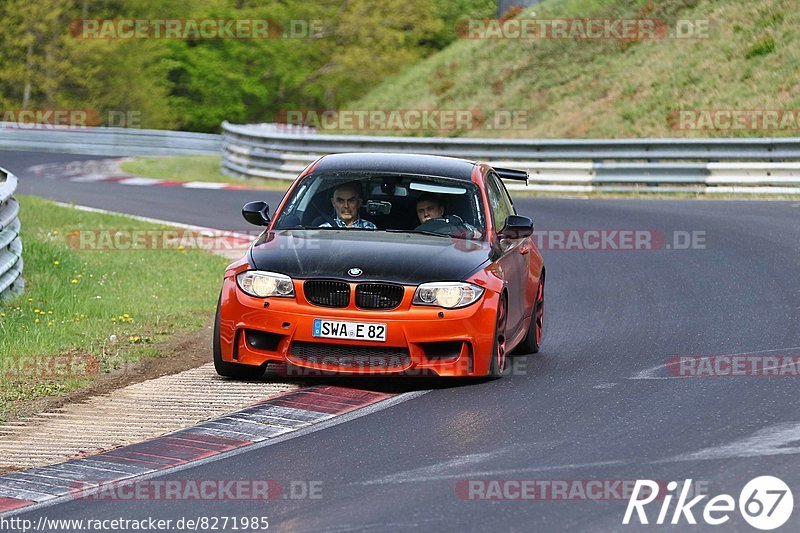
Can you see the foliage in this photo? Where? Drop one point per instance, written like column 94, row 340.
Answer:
column 349, row 47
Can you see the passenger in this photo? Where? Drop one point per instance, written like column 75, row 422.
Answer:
column 431, row 207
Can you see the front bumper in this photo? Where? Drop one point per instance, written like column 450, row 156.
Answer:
column 419, row 340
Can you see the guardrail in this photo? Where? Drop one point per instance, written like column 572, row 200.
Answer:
column 11, row 282
column 730, row 166
column 106, row 141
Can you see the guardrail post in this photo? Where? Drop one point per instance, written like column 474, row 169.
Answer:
column 11, row 280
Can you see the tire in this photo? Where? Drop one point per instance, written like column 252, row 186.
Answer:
column 231, row 370
column 497, row 364
column 533, row 338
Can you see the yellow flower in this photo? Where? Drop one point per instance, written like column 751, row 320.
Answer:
column 36, row 311
column 49, row 312
column 2, row 314
column 56, row 262
column 74, row 281
column 36, row 321
column 113, row 319
column 30, row 299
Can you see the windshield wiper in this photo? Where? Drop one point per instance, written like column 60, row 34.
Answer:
column 324, row 228
column 423, row 232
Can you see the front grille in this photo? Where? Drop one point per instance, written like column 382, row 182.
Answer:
column 352, row 356
column 378, row 295
column 327, row 293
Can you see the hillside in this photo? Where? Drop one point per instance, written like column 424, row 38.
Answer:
column 748, row 60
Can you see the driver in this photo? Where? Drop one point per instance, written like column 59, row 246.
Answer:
column 431, row 207
column 347, row 200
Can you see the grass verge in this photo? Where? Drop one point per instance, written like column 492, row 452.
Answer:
column 87, row 313
column 193, row 168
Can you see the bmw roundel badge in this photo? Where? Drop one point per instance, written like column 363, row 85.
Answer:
column 355, row 272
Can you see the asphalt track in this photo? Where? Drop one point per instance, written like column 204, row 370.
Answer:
column 594, row 404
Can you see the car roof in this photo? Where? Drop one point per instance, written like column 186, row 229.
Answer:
column 429, row 165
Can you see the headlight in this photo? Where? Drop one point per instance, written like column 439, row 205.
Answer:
column 264, row 284
column 450, row 295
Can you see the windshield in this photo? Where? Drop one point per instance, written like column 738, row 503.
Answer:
column 385, row 202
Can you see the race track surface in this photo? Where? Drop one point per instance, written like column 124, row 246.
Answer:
column 596, row 403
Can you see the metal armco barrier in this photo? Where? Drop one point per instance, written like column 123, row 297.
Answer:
column 106, row 141
column 11, row 282
column 729, row 166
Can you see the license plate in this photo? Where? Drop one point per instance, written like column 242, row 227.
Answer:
column 361, row 331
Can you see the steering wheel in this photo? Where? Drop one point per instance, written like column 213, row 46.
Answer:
column 446, row 225
column 324, row 215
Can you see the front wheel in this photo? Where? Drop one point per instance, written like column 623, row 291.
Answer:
column 533, row 339
column 231, row 370
column 498, row 363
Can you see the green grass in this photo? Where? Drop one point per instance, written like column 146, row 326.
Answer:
column 614, row 89
column 107, row 308
column 193, row 168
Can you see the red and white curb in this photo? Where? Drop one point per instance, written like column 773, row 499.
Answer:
column 264, row 423
column 108, row 171
column 139, row 181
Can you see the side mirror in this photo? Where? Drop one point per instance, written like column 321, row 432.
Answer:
column 256, row 213
column 517, row 227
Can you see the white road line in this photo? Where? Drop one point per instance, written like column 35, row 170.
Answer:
column 648, row 373
column 204, row 185
column 157, row 221
column 780, row 439
column 88, row 178
column 140, row 181
column 418, row 475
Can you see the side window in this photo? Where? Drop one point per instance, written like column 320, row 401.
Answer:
column 498, row 201
column 504, row 194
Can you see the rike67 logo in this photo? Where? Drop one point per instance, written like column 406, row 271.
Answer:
column 765, row 503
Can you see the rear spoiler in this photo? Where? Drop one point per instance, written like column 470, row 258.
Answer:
column 511, row 174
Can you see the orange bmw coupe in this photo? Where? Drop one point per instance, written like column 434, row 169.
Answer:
column 391, row 264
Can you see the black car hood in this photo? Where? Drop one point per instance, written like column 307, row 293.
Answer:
column 407, row 258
